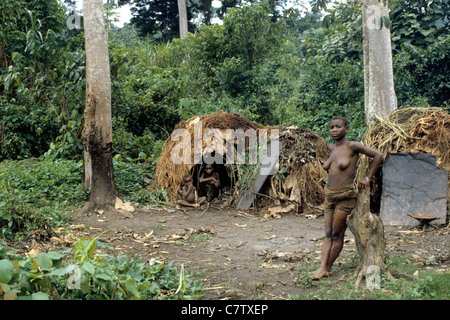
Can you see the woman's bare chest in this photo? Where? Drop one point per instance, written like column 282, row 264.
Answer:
column 342, row 157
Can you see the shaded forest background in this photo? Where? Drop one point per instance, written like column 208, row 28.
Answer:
column 267, row 60
column 274, row 66
column 270, row 62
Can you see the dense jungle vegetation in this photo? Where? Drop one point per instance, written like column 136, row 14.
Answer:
column 273, row 66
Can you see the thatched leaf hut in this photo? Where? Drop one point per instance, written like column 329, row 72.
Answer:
column 299, row 175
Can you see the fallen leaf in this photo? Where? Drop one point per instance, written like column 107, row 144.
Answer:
column 266, row 265
column 34, row 251
column 148, row 235
column 127, row 206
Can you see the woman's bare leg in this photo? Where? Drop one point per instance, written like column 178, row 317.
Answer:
column 326, row 248
column 337, row 236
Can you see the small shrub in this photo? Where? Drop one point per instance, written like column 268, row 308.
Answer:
column 83, row 274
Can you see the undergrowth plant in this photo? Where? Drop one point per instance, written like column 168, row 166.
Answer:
column 81, row 273
column 409, row 283
column 42, row 194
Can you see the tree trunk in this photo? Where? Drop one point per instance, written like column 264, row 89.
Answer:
column 370, row 241
column 182, row 13
column 98, row 173
column 379, row 93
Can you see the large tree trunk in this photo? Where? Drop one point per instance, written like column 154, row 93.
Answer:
column 379, row 93
column 182, row 13
column 380, row 99
column 370, row 241
column 98, row 173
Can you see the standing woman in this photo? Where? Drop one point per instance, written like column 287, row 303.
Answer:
column 340, row 196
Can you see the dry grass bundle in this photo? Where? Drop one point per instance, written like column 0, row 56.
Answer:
column 170, row 175
column 302, row 155
column 413, row 130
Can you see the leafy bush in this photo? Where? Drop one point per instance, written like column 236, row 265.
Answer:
column 140, row 149
column 37, row 195
column 82, row 274
column 129, row 177
column 326, row 90
column 25, row 130
column 421, row 74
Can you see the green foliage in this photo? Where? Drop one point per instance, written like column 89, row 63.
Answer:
column 131, row 148
column 419, row 22
column 145, row 198
column 129, row 177
column 19, row 20
column 271, row 68
column 327, row 90
column 39, row 77
column 238, row 65
column 158, row 18
column 343, row 32
column 424, row 285
column 38, row 195
column 410, row 284
column 24, row 129
column 82, row 274
column 422, row 74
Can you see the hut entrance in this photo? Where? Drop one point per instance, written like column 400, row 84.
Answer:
column 226, row 181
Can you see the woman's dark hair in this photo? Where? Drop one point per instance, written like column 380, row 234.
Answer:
column 340, row 118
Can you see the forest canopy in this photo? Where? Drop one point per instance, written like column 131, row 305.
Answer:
column 274, row 64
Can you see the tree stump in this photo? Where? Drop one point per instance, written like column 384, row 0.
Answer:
column 368, row 230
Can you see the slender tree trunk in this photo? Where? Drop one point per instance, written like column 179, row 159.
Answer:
column 380, row 99
column 182, row 13
column 379, row 93
column 98, row 173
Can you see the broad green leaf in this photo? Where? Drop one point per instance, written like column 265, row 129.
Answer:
column 103, row 276
column 55, row 255
column 91, row 248
column 44, row 262
column 131, row 286
column 40, row 296
column 6, row 271
column 89, row 267
column 182, row 282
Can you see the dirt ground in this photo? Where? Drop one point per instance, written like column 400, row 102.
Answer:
column 239, row 255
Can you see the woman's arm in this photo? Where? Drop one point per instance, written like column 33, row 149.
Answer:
column 376, row 162
column 327, row 163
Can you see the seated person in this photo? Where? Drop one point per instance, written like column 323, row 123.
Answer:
column 189, row 194
column 210, row 183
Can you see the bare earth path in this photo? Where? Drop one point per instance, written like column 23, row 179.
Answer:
column 238, row 255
